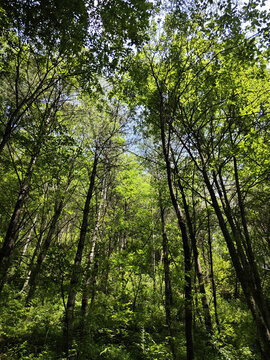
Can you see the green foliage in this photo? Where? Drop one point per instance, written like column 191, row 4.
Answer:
column 204, row 84
column 30, row 333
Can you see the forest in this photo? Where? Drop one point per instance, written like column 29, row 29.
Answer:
column 134, row 180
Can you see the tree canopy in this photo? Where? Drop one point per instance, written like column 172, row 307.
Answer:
column 134, row 171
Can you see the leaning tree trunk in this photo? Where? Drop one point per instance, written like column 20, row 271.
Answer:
column 43, row 252
column 28, row 241
column 14, row 223
column 23, row 105
column 243, row 268
column 33, row 279
column 76, row 273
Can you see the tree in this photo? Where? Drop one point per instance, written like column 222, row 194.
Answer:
column 134, row 210
column 104, row 130
column 190, row 102
column 47, row 117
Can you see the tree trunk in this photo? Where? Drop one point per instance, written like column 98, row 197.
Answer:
column 186, row 247
column 33, row 279
column 76, row 273
column 39, row 237
column 92, row 254
column 167, row 276
column 43, row 252
column 14, row 223
column 22, row 106
column 213, row 283
column 198, row 269
column 243, row 270
column 28, row 241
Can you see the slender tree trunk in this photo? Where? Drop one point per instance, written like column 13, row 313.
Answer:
column 25, row 104
column 95, row 274
column 33, row 279
column 259, row 296
column 28, row 240
column 242, row 267
column 154, row 269
column 43, row 252
column 213, row 283
column 198, row 269
column 14, row 223
column 39, row 240
column 76, row 273
column 92, row 254
column 134, row 302
column 186, row 246
column 167, row 276
column 248, row 245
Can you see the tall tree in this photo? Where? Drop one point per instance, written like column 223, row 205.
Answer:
column 191, row 103
column 46, row 120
